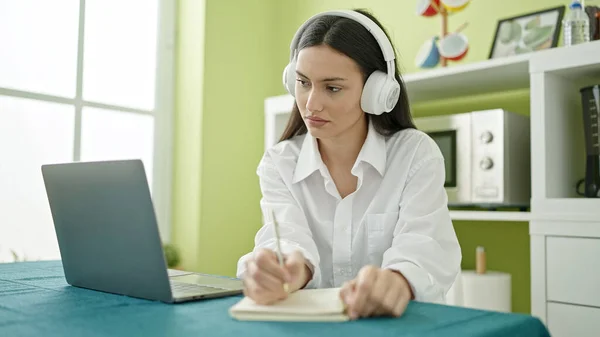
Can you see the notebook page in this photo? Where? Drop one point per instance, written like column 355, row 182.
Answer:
column 301, row 302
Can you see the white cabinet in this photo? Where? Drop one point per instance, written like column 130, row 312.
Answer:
column 573, row 270
column 565, row 276
column 571, row 320
column 565, row 228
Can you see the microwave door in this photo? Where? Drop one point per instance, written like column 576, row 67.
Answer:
column 452, row 134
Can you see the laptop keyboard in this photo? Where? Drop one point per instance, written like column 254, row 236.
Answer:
column 185, row 289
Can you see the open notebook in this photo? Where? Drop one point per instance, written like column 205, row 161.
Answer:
column 305, row 305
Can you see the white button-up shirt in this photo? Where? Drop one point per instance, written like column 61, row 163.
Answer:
column 397, row 218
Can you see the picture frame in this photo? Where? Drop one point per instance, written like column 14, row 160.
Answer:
column 528, row 32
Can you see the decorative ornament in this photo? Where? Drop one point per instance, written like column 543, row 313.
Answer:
column 451, row 46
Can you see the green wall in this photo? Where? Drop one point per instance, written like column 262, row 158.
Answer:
column 239, row 74
column 224, row 72
column 231, row 60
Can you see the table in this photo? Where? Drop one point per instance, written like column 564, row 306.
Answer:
column 35, row 300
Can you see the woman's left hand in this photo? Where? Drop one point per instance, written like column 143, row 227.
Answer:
column 376, row 292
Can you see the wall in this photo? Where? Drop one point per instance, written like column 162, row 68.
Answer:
column 246, row 47
column 224, row 73
column 239, row 75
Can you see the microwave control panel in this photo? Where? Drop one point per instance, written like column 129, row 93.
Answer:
column 487, row 155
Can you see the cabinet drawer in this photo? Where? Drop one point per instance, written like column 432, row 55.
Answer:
column 565, row 320
column 573, row 270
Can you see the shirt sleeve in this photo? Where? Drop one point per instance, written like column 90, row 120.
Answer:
column 425, row 248
column 294, row 231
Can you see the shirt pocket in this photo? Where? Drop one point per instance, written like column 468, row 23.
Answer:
column 380, row 233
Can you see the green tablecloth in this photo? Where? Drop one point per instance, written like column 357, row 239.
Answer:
column 35, row 300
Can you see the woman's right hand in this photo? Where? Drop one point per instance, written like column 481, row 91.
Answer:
column 264, row 278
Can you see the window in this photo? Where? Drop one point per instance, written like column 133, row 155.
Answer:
column 80, row 80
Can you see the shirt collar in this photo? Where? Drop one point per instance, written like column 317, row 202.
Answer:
column 309, row 159
column 373, row 152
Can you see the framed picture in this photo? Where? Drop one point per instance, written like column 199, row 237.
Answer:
column 527, row 33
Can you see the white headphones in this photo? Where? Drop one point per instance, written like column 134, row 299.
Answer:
column 381, row 91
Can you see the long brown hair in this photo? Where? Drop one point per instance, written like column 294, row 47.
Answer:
column 355, row 41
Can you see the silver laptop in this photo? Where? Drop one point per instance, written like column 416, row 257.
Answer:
column 108, row 234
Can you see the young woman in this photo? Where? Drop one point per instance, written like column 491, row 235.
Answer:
column 357, row 191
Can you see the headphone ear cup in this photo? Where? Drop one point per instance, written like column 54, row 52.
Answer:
column 370, row 101
column 380, row 94
column 392, row 94
column 289, row 78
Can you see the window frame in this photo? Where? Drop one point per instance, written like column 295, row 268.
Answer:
column 163, row 112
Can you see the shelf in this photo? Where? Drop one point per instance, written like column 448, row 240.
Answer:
column 557, row 130
column 278, row 105
column 567, row 209
column 572, row 62
column 560, row 227
column 489, row 76
column 490, row 216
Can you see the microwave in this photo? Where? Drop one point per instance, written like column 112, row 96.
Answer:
column 487, row 157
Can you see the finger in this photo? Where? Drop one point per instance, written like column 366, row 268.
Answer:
column 266, row 260
column 264, row 279
column 295, row 261
column 259, row 294
column 379, row 312
column 295, row 265
column 403, row 295
column 245, row 286
column 346, row 290
column 371, row 304
column 385, row 290
column 401, row 306
column 364, row 283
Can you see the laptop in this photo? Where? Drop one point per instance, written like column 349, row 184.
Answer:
column 108, row 236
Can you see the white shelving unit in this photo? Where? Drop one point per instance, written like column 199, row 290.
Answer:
column 557, row 129
column 565, row 228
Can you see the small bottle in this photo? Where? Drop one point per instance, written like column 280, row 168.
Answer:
column 480, row 262
column 576, row 25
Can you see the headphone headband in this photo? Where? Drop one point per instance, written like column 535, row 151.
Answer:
column 381, row 91
column 374, row 29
